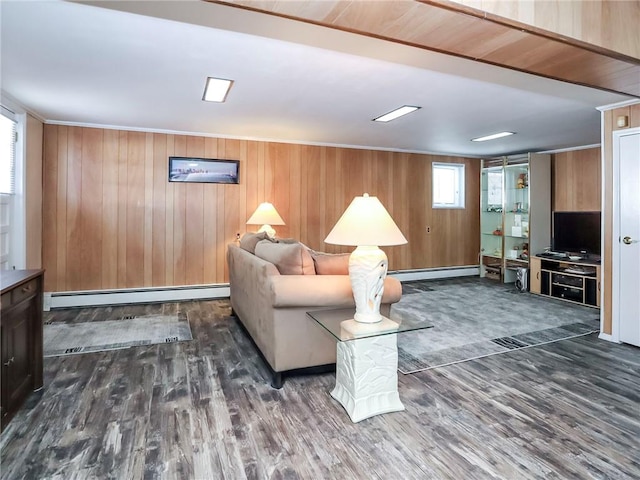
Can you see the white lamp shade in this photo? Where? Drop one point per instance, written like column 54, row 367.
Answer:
column 265, row 214
column 366, row 222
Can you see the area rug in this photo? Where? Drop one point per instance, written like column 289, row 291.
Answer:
column 129, row 331
column 474, row 318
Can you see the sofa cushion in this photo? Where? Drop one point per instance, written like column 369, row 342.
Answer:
column 249, row 240
column 289, row 258
column 331, row 263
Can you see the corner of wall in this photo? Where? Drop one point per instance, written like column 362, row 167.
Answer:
column 33, row 191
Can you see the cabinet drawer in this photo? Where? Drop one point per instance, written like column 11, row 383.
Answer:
column 24, row 291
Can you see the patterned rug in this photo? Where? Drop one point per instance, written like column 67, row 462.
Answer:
column 73, row 338
column 474, row 318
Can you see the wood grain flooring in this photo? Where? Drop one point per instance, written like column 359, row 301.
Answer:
column 204, row 410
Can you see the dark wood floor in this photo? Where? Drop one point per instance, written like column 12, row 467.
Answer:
column 204, row 409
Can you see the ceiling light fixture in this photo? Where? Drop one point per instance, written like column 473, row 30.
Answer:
column 492, row 137
column 398, row 112
column 216, row 89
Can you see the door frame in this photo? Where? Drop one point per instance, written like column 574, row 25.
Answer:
column 615, row 234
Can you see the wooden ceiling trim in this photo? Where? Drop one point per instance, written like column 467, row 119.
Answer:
column 451, row 28
column 385, row 18
column 532, row 29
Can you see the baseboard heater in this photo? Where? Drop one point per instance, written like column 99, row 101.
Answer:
column 91, row 298
column 435, row 273
column 95, row 298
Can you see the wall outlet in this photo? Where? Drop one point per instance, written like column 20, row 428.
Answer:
column 622, row 121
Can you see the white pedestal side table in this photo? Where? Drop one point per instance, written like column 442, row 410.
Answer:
column 366, row 361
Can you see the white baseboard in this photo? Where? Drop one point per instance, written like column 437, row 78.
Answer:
column 435, row 273
column 133, row 295
column 96, row 298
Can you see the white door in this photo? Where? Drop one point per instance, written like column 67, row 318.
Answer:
column 627, row 312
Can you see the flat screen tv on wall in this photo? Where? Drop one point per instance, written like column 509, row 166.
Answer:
column 203, row 170
column 576, row 232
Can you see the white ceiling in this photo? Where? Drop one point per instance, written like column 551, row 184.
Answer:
column 145, row 68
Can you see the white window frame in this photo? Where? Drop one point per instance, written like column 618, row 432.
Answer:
column 17, row 258
column 6, row 207
column 457, row 185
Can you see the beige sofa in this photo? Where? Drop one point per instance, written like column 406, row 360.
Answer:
column 272, row 306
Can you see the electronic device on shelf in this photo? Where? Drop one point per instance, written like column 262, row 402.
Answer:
column 552, row 254
column 580, row 270
column 567, row 257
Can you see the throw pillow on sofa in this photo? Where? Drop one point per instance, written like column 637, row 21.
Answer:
column 289, row 258
column 249, row 240
column 331, row 263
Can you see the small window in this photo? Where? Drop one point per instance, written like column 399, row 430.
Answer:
column 448, row 185
column 7, row 154
column 9, row 213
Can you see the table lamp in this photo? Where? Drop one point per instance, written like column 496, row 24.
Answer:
column 266, row 215
column 366, row 224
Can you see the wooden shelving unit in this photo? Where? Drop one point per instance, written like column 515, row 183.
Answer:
column 572, row 281
column 515, row 213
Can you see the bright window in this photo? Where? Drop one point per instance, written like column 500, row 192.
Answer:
column 8, row 230
column 7, row 155
column 448, row 185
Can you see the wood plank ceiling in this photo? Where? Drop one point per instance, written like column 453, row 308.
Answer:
column 452, row 28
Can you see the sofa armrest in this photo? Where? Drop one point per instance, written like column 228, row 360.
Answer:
column 322, row 291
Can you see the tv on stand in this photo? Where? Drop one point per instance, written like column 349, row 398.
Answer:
column 577, row 234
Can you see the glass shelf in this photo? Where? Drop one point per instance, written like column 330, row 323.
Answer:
column 340, row 323
column 505, row 188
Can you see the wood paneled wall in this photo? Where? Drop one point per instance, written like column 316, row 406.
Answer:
column 577, row 181
column 112, row 220
column 609, row 125
column 605, row 23
column 33, row 193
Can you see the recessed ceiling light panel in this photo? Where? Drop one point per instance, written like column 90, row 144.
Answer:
column 492, row 137
column 216, row 89
column 398, row 112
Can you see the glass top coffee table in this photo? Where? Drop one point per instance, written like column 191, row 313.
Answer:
column 366, row 361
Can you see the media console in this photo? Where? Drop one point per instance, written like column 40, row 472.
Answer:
column 575, row 281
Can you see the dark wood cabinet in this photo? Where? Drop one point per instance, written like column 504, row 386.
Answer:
column 21, row 338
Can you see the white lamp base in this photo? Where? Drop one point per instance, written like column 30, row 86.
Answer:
column 268, row 229
column 367, row 269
